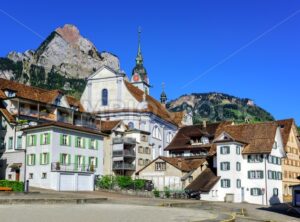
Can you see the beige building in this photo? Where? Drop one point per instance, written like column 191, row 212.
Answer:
column 291, row 164
column 176, row 173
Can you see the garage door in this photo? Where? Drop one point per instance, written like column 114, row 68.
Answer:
column 67, row 182
column 85, row 183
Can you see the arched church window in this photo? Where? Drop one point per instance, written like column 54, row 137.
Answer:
column 131, row 125
column 156, row 133
column 169, row 137
column 104, row 97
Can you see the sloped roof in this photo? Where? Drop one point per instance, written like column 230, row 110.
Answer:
column 286, row 126
column 258, row 137
column 66, row 126
column 182, row 139
column 204, row 182
column 7, row 115
column 107, row 126
column 181, row 163
column 35, row 93
column 155, row 106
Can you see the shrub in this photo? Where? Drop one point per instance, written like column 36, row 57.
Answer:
column 167, row 192
column 15, row 185
column 105, row 182
column 139, row 184
column 156, row 192
column 124, row 181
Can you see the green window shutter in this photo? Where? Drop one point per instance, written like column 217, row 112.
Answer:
column 83, row 160
column 75, row 139
column 27, row 141
column 60, row 158
column 41, row 156
column 89, row 161
column 41, row 139
column 48, row 158
column 90, row 143
column 61, row 139
column 34, row 140
column 33, row 159
column 48, row 138
column 70, row 140
column 83, row 143
column 27, row 160
column 96, row 162
column 76, row 162
column 69, row 159
column 97, row 144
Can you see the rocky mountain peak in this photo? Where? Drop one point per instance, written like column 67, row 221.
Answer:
column 69, row 33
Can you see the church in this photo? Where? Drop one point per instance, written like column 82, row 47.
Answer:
column 111, row 96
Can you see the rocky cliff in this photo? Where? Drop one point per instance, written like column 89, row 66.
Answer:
column 64, row 55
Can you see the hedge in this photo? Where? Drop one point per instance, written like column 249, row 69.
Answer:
column 15, row 185
column 123, row 182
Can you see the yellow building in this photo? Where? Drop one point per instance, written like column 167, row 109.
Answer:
column 291, row 164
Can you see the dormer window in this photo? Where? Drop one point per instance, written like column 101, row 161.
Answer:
column 10, row 93
column 204, row 140
column 57, row 101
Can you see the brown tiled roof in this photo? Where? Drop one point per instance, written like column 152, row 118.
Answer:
column 34, row 93
column 182, row 139
column 66, row 126
column 183, row 164
column 286, row 126
column 258, row 137
column 154, row 106
column 7, row 115
column 107, row 126
column 204, row 182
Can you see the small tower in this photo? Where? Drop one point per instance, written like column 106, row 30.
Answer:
column 139, row 76
column 163, row 95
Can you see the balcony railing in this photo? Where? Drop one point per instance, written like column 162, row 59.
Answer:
column 124, row 153
column 72, row 167
column 125, row 140
column 123, row 166
column 65, row 119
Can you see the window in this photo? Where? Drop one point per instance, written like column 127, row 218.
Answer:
column 238, row 183
column 273, row 175
column 190, row 179
column 169, row 137
column 225, row 150
column 93, row 144
column 65, row 140
column 225, row 183
column 31, row 140
column 93, row 161
column 144, row 138
column 45, row 138
column 65, row 159
column 44, row 158
column 275, row 191
column 141, row 149
column 104, row 97
column 31, row 176
column 147, row 161
column 238, row 150
column 131, row 125
column 255, row 191
column 10, row 143
column 44, row 175
column 160, row 166
column 141, row 162
column 79, row 160
column 19, row 142
column 9, row 176
column 204, row 140
column 80, row 142
column 225, row 166
column 156, row 133
column 31, row 159
column 255, row 158
column 147, row 150
column 258, row 174
column 238, row 166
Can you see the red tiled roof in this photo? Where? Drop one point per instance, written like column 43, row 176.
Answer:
column 107, row 126
column 7, row 115
column 286, row 126
column 204, row 182
column 154, row 106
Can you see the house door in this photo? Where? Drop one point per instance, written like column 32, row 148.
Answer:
column 17, row 174
column 243, row 194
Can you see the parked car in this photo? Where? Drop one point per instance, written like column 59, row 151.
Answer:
column 193, row 194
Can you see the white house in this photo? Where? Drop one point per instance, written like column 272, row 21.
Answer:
column 248, row 161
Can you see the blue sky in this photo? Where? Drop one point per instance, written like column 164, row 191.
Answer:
column 247, row 48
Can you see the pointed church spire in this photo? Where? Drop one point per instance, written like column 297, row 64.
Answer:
column 163, row 95
column 139, row 57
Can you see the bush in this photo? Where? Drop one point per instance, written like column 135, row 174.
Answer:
column 105, row 182
column 139, row 184
column 167, row 192
column 15, row 185
column 156, row 192
column 124, row 181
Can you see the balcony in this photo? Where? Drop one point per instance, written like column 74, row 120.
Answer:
column 123, row 166
column 64, row 119
column 124, row 140
column 124, row 153
column 59, row 167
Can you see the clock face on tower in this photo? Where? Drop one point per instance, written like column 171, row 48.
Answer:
column 136, row 78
